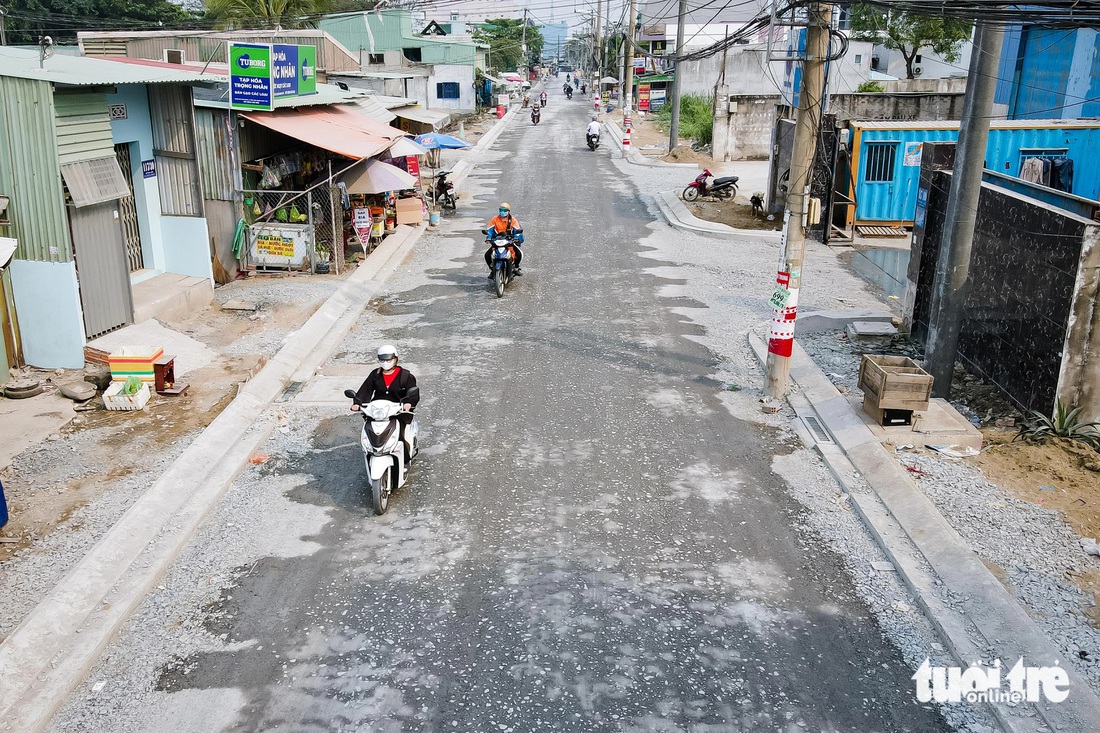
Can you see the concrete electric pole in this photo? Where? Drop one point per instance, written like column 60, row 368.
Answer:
column 628, row 73
column 807, row 128
column 953, row 264
column 674, row 126
column 599, row 46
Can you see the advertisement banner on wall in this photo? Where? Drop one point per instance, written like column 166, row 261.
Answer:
column 282, row 245
column 656, row 99
column 643, row 97
column 250, row 83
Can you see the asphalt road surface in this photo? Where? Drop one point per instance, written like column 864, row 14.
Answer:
column 589, row 541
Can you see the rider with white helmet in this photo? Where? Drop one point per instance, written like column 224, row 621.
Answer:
column 389, row 382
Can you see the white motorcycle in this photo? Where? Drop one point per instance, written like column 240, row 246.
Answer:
column 386, row 457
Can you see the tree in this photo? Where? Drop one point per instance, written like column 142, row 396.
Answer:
column 28, row 20
column 266, row 13
column 504, row 37
column 909, row 33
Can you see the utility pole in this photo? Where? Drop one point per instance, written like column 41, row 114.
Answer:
column 674, row 127
column 523, row 47
column 628, row 72
column 953, row 264
column 599, row 45
column 807, row 128
column 3, row 36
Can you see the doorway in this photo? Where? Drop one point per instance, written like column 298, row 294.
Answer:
column 131, row 231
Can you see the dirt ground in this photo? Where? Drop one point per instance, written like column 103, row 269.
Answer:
column 737, row 214
column 105, row 447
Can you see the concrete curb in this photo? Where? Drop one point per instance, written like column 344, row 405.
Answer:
column 634, row 156
column 680, row 217
column 984, row 621
column 55, row 647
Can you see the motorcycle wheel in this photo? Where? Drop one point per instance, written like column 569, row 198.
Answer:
column 727, row 193
column 498, row 281
column 380, row 493
column 690, row 193
column 451, row 202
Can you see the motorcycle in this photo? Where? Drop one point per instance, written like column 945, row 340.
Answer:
column 723, row 188
column 503, row 258
column 542, row 99
column 536, row 115
column 568, row 92
column 387, row 457
column 445, row 191
column 526, row 100
column 593, row 141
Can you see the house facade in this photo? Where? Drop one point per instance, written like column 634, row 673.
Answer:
column 437, row 71
column 98, row 162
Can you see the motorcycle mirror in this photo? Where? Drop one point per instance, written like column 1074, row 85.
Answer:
column 349, row 393
column 414, row 392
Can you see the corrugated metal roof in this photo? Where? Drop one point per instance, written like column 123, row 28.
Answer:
column 432, row 117
column 29, row 171
column 374, row 109
column 218, row 97
column 81, row 71
column 337, row 129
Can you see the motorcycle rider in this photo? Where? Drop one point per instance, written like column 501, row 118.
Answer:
column 542, row 97
column 536, row 113
column 390, row 382
column 568, row 92
column 504, row 223
column 593, row 130
column 526, row 99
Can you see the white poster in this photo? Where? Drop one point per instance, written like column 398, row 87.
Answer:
column 913, row 153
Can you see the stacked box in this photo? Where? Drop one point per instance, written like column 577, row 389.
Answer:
column 134, row 361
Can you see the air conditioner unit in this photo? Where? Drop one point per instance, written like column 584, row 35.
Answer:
column 918, row 70
column 175, row 56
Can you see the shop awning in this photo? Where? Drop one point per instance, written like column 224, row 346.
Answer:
column 435, row 118
column 342, row 131
column 374, row 109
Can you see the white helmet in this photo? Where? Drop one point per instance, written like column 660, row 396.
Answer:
column 387, row 352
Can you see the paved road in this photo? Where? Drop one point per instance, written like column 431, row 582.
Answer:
column 589, row 541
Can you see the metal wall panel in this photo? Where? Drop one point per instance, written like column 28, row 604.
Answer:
column 30, row 171
column 173, row 118
column 216, row 139
column 331, row 56
column 102, row 269
column 83, row 127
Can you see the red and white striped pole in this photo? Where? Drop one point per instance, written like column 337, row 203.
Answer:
column 627, row 124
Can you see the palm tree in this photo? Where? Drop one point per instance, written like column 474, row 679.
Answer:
column 266, row 13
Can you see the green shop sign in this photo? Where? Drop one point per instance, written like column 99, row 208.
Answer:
column 259, row 74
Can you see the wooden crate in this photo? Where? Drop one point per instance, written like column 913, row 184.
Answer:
column 886, row 416
column 895, row 382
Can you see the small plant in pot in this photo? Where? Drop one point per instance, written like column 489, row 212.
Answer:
column 324, row 254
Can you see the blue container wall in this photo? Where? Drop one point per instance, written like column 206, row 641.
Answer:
column 895, row 200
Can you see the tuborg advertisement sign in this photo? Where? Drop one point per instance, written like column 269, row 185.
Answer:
column 261, row 73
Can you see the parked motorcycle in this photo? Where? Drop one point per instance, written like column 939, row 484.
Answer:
column 536, row 114
column 593, row 141
column 387, row 457
column 503, row 258
column 445, row 191
column 723, row 188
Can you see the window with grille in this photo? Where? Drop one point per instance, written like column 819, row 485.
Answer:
column 447, row 90
column 376, row 58
column 880, row 162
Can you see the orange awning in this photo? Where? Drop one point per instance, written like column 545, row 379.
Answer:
column 345, row 132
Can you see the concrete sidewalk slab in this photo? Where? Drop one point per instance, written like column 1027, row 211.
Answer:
column 24, row 423
column 190, row 354
column 912, row 531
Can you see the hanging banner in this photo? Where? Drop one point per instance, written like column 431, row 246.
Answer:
column 413, row 165
column 250, row 84
column 643, row 97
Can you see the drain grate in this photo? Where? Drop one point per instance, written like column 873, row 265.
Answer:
column 818, row 430
column 290, row 392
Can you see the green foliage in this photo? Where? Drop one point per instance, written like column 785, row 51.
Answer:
column 909, row 33
column 28, row 20
column 870, row 86
column 1065, row 423
column 696, row 117
column 266, row 13
column 504, row 37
